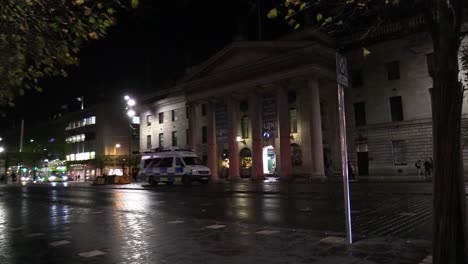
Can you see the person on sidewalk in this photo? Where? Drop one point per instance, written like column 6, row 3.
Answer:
column 418, row 166
column 428, row 168
column 351, row 170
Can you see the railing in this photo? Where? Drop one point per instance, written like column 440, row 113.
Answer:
column 384, row 30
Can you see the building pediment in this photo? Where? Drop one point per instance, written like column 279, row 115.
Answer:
column 240, row 54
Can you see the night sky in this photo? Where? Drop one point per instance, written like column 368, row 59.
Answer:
column 148, row 49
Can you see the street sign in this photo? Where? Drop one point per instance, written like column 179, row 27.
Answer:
column 342, row 79
column 341, row 70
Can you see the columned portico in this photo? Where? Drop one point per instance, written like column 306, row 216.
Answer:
column 257, row 146
column 285, row 169
column 232, row 108
column 211, row 140
column 315, row 126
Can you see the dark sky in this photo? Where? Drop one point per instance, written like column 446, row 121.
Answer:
column 150, row 47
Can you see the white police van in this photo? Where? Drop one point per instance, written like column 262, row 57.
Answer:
column 173, row 165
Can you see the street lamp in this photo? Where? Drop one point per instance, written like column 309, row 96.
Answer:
column 131, row 113
column 131, row 103
column 2, row 149
column 115, row 154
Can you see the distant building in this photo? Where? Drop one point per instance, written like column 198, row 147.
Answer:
column 100, row 140
column 163, row 120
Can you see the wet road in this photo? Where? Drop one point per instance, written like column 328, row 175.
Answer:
column 45, row 224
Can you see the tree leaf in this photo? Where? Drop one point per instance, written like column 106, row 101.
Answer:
column 273, row 13
column 135, row 3
column 319, row 17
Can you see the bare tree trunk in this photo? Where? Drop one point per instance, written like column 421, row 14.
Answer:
column 447, row 97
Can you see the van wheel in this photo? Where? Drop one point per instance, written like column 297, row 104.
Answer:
column 186, row 180
column 151, row 181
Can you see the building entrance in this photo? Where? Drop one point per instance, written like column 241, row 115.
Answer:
column 269, row 160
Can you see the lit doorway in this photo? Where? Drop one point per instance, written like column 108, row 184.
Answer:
column 269, row 160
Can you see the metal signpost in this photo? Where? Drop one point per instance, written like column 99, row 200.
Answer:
column 342, row 79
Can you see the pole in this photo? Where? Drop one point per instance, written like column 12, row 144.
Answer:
column 342, row 80
column 344, row 163
column 21, row 136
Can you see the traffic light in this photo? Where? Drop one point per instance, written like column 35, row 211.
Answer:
column 35, row 168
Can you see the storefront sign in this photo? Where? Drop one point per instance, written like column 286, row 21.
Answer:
column 269, row 116
column 221, row 121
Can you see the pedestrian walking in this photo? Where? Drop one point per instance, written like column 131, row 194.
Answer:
column 428, row 168
column 418, row 164
column 351, row 170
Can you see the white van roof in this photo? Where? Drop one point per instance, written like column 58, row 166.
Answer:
column 172, row 153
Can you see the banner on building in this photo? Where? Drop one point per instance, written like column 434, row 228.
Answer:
column 221, row 121
column 269, row 116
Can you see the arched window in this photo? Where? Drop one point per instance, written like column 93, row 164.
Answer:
column 296, row 155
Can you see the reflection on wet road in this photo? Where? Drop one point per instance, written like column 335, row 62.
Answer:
column 75, row 225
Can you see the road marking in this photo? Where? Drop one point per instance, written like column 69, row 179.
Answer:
column 427, row 260
column 215, row 226
column 333, row 240
column 90, row 254
column 267, row 232
column 34, row 234
column 176, row 222
column 59, row 243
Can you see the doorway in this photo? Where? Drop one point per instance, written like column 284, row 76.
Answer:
column 362, row 159
column 269, row 160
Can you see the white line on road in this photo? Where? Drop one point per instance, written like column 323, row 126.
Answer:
column 267, row 232
column 176, row 222
column 34, row 234
column 215, row 226
column 59, row 243
column 90, row 254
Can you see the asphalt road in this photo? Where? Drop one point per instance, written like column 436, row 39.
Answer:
column 176, row 224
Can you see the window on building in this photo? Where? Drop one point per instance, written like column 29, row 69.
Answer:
column 148, row 120
column 161, row 140
column 293, row 120
column 161, row 117
column 357, row 78
column 203, row 109
column 430, row 64
column 187, row 112
column 174, row 138
column 187, row 136
column 148, row 142
column 393, row 70
column 174, row 115
column 204, row 134
column 360, row 114
column 399, row 152
column 245, row 127
column 396, row 108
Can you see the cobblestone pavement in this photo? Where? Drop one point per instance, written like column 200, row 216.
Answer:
column 204, row 224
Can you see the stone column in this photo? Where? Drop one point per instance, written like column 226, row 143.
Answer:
column 232, row 109
column 211, row 133
column 315, row 126
column 255, row 112
column 284, row 133
column 193, row 126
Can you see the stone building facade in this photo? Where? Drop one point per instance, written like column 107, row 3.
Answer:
column 265, row 108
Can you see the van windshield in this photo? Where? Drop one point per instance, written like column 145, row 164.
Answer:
column 192, row 161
